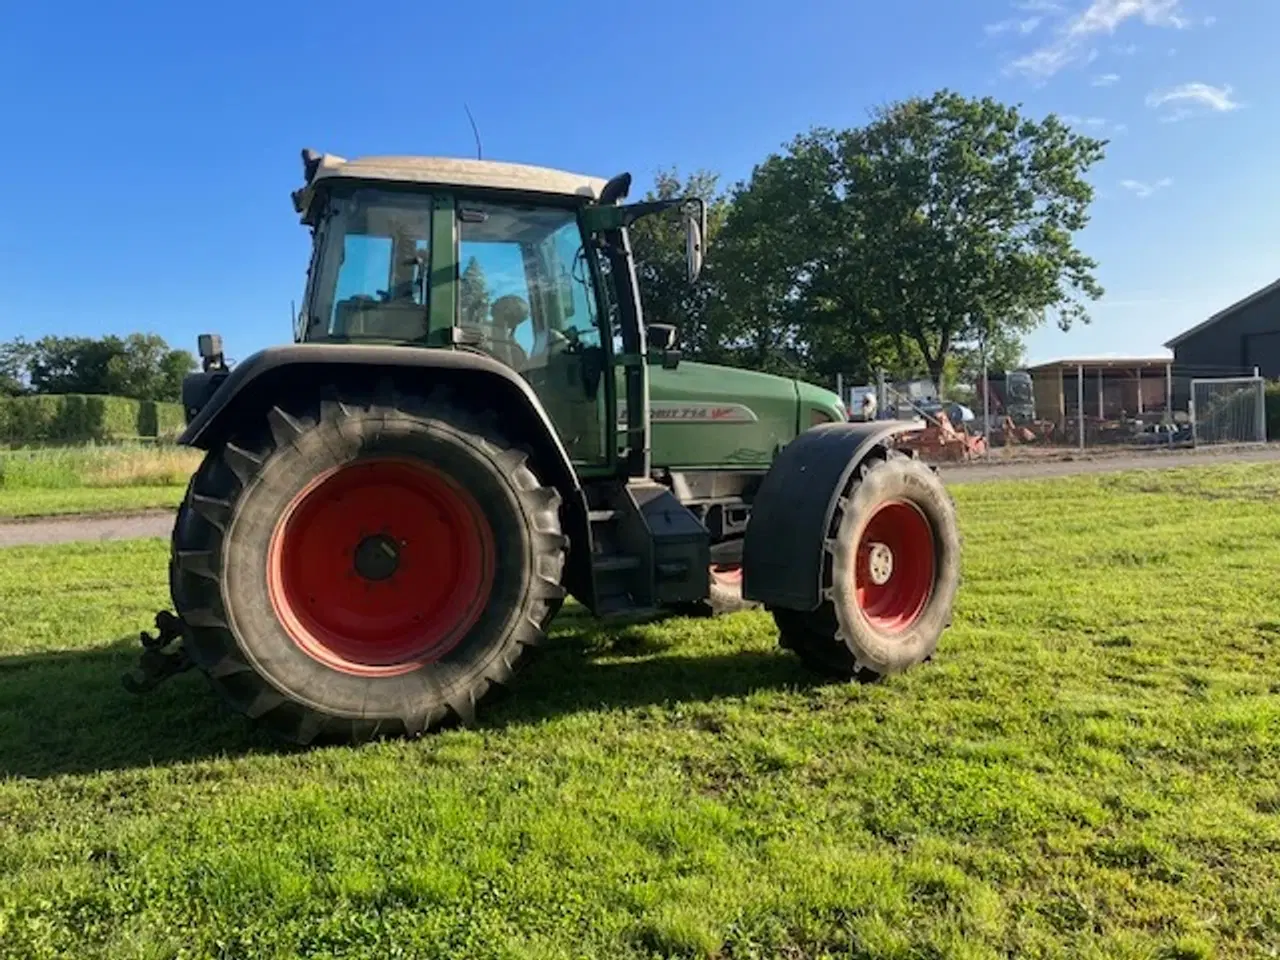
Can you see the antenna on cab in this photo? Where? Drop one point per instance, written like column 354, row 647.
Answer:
column 474, row 131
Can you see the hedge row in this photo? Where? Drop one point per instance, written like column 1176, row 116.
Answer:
column 79, row 418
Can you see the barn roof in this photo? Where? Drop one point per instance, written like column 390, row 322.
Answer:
column 1069, row 364
column 1225, row 313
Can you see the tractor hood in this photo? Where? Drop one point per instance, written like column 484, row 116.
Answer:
column 705, row 416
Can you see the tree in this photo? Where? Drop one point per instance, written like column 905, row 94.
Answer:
column 73, row 364
column 789, row 255
column 967, row 211
column 15, row 365
column 140, row 365
column 942, row 222
column 146, row 368
column 473, row 296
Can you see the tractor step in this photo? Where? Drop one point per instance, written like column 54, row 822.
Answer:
column 615, row 563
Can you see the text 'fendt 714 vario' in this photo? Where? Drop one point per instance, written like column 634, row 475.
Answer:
column 474, row 423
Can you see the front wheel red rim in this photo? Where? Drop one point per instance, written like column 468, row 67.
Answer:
column 381, row 566
column 896, row 566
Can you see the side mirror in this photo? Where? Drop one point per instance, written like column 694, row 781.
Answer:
column 662, row 336
column 695, row 232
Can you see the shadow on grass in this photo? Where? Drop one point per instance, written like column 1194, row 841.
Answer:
column 67, row 713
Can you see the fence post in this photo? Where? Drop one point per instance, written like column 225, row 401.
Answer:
column 1080, row 401
column 1262, row 407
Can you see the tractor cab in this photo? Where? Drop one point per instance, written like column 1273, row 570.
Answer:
column 527, row 265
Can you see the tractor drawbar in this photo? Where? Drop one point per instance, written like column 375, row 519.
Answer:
column 156, row 664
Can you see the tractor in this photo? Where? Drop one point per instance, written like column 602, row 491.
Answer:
column 473, row 424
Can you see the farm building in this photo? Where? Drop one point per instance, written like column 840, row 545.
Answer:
column 1232, row 342
column 1109, row 389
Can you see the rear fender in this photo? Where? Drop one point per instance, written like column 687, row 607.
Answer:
column 274, row 374
column 782, row 551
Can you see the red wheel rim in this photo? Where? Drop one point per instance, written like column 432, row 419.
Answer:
column 891, row 595
column 380, row 566
column 727, row 574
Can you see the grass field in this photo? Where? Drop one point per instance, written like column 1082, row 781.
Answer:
column 1089, row 769
column 92, row 479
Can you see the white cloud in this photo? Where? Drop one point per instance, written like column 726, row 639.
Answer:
column 1127, row 50
column 1188, row 99
column 1095, row 125
column 1084, row 121
column 1024, row 26
column 1104, row 79
column 1075, row 34
column 1142, row 190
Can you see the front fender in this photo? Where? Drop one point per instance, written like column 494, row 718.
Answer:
column 262, row 376
column 782, row 552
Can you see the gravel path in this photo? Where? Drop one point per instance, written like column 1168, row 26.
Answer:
column 123, row 526
column 158, row 523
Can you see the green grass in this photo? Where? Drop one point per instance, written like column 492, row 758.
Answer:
column 92, row 479
column 1089, row 769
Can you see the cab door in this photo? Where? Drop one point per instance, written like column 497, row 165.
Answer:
column 528, row 296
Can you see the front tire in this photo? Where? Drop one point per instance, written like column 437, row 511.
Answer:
column 368, row 568
column 891, row 573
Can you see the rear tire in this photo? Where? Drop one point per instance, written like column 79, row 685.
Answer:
column 372, row 567
column 890, row 575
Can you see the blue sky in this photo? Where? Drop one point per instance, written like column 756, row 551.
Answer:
column 150, row 149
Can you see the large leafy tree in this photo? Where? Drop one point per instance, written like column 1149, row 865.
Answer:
column 942, row 223
column 968, row 212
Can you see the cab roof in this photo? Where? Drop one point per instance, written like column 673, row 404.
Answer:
column 444, row 172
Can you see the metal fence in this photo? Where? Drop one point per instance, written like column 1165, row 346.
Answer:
column 1228, row 410
column 1073, row 407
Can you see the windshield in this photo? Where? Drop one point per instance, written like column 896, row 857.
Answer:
column 372, row 277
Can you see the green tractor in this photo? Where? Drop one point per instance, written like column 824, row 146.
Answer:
column 474, row 423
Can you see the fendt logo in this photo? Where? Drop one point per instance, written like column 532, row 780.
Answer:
column 673, row 411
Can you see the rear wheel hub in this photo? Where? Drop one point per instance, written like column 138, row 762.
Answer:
column 378, row 557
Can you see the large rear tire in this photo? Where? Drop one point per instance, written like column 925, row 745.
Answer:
column 891, row 572
column 370, row 567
